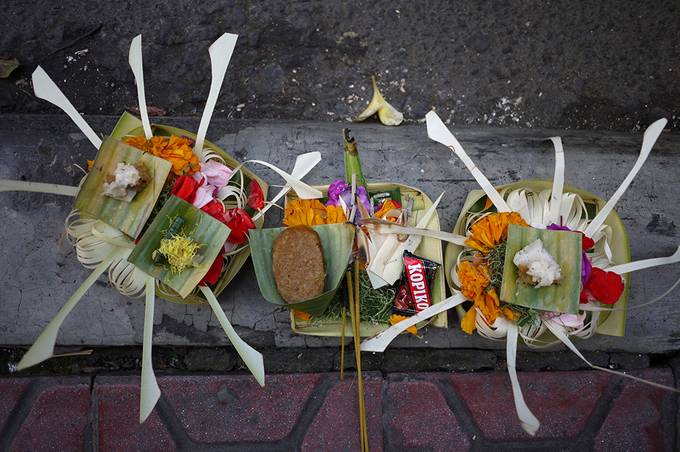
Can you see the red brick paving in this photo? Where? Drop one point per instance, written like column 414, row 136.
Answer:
column 10, row 393
column 336, row 426
column 57, row 420
column 420, row 417
column 434, row 411
column 635, row 421
column 235, row 408
column 562, row 401
column 118, row 419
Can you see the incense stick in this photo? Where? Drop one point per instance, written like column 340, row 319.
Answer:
column 357, row 346
column 342, row 344
column 357, row 356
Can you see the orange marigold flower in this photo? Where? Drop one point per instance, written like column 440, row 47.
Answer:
column 474, row 282
column 488, row 304
column 386, row 207
column 509, row 313
column 492, row 230
column 396, row 318
column 334, row 214
column 311, row 212
column 474, row 278
column 177, row 150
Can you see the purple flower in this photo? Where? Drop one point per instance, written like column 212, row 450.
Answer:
column 340, row 189
column 363, row 198
column 558, row 227
column 214, row 173
column 337, row 188
column 586, row 268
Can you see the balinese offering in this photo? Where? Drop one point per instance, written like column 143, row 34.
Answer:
column 388, row 223
column 537, row 261
column 163, row 212
column 376, row 251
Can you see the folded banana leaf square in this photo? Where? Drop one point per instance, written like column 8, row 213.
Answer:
column 336, row 243
column 198, row 226
column 128, row 217
column 565, row 248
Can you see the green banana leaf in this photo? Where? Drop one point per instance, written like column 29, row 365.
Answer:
column 128, row 217
column 610, row 323
column 336, row 242
column 565, row 247
column 210, row 233
column 129, row 124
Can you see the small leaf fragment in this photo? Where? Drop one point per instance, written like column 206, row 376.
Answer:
column 387, row 114
column 7, row 66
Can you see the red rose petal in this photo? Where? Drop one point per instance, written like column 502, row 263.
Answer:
column 586, row 242
column 256, row 196
column 214, row 272
column 605, row 287
column 185, row 188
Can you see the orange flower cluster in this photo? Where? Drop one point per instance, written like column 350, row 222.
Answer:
column 310, row 212
column 474, row 281
column 176, row 150
column 492, row 230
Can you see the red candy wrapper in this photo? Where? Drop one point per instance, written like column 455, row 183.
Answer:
column 413, row 292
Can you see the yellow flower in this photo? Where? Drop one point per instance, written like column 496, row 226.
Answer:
column 310, row 212
column 492, row 230
column 176, row 150
column 396, row 318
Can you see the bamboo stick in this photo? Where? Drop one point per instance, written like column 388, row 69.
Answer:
column 357, row 356
column 342, row 344
column 357, row 301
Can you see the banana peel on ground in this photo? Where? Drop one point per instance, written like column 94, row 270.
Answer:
column 387, row 114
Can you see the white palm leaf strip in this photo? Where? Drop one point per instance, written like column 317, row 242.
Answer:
column 558, row 182
column 149, row 392
column 137, row 66
column 38, row 187
column 387, row 227
column 220, row 55
column 380, row 342
column 94, row 241
column 529, row 422
column 646, row 263
column 559, row 332
column 438, row 132
column 303, row 190
column 303, row 165
column 44, row 88
column 43, row 348
column 388, row 260
column 649, row 138
column 251, row 357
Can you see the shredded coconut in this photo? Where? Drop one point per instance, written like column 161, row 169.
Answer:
column 536, row 266
column 126, row 176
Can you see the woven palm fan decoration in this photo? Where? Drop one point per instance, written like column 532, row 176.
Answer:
column 163, row 211
column 538, row 261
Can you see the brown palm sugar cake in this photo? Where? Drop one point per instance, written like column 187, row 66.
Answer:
column 298, row 265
